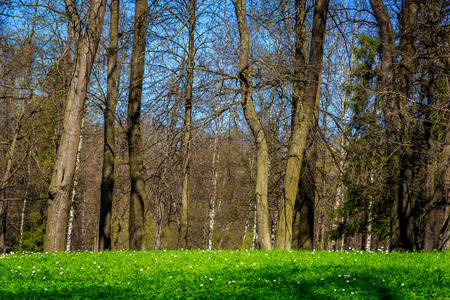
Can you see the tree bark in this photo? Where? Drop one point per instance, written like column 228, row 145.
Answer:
column 213, row 198
column 392, row 127
column 303, row 236
column 64, row 168
column 74, row 192
column 298, row 88
column 303, row 121
column 3, row 216
column 109, row 146
column 437, row 217
column 404, row 82
column 438, row 187
column 183, row 235
column 135, row 149
column 253, row 121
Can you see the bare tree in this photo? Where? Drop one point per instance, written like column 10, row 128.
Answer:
column 302, row 121
column 135, row 149
column 109, row 146
column 392, row 123
column 86, row 49
column 183, row 235
column 255, row 124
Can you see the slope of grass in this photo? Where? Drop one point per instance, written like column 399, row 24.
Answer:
column 198, row 274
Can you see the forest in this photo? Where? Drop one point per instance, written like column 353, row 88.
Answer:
column 224, row 124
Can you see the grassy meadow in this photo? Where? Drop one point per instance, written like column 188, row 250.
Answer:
column 200, row 274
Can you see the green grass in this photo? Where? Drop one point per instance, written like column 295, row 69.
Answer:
column 198, row 274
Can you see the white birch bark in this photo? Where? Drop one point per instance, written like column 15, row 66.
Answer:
column 157, row 240
column 74, row 192
column 212, row 203
column 255, row 230
column 369, row 228
column 22, row 221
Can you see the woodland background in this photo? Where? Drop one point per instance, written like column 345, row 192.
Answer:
column 376, row 133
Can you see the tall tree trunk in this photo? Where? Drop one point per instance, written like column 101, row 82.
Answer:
column 435, row 219
column 392, row 127
column 109, row 144
column 437, row 216
column 135, row 148
column 64, row 168
column 253, row 121
column 183, row 235
column 303, row 121
column 404, row 82
column 298, row 88
column 212, row 201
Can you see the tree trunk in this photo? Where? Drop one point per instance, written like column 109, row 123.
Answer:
column 305, row 203
column 368, row 245
column 437, row 216
column 255, row 244
column 74, row 192
column 135, row 148
column 404, row 83
column 212, row 201
column 298, row 86
column 3, row 216
column 436, row 210
column 183, row 235
column 22, row 222
column 64, row 168
column 109, row 146
column 253, row 121
column 158, row 228
column 392, row 127
column 303, row 120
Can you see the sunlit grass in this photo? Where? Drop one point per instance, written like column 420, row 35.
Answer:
column 199, row 274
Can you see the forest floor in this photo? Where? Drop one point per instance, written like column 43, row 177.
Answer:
column 200, row 274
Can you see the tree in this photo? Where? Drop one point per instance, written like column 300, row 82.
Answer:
column 86, row 49
column 303, row 220
column 109, row 147
column 262, row 159
column 135, row 149
column 303, row 118
column 183, row 235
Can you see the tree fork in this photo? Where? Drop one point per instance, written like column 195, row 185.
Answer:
column 64, row 170
column 253, row 121
column 303, row 120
